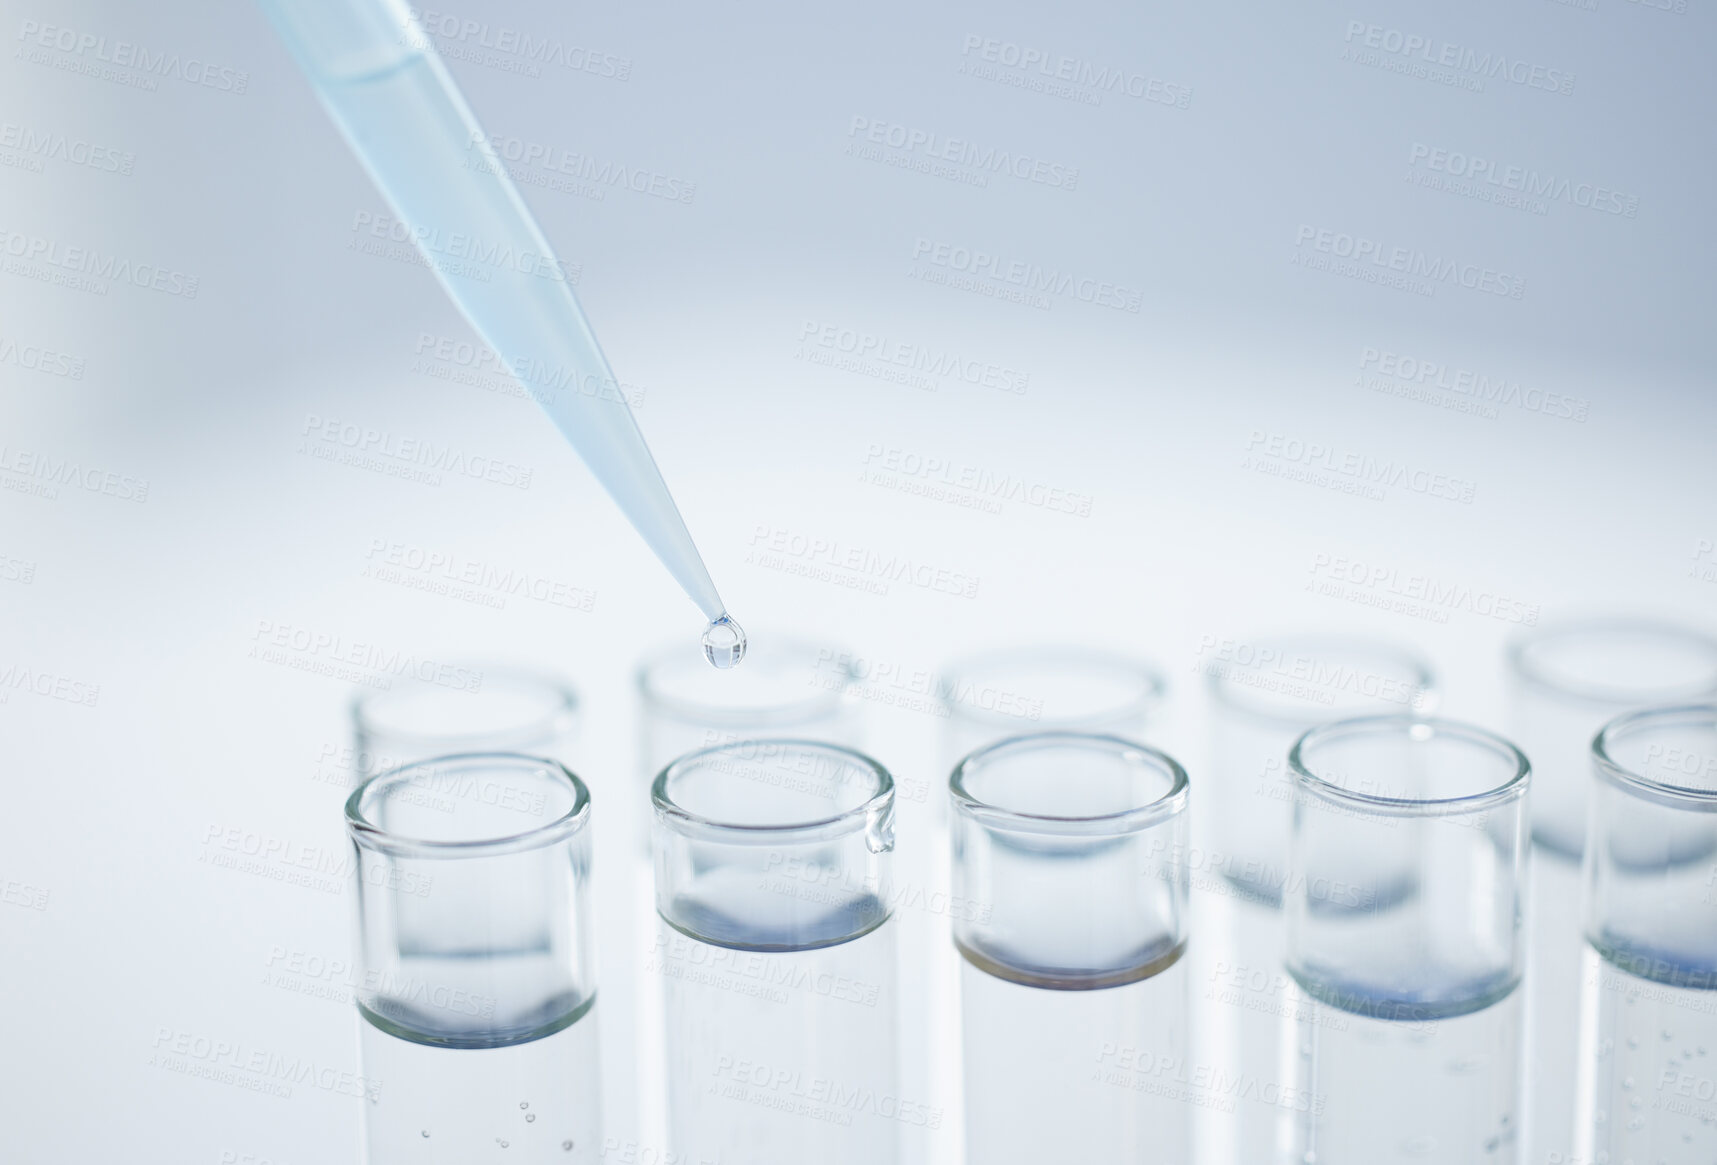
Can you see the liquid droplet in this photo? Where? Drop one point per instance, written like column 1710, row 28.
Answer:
column 567, row 1145
column 524, row 1104
column 530, row 1116
column 426, row 1132
column 724, row 643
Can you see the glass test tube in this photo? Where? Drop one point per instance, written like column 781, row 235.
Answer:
column 476, row 991
column 777, row 957
column 1073, row 989
column 984, row 698
column 1264, row 694
column 1569, row 679
column 1566, row 681
column 786, row 687
column 1406, row 880
column 486, row 710
column 1044, row 689
column 1647, row 1088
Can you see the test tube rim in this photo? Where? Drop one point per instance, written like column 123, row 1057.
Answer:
column 1512, row 789
column 1123, row 821
column 371, row 836
column 798, row 712
column 559, row 720
column 1522, row 667
column 1155, row 688
column 686, row 823
column 1660, row 792
column 1425, row 678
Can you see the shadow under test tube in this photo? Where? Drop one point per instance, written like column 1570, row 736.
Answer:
column 1407, row 868
column 1566, row 681
column 777, row 955
column 476, row 992
column 1073, row 989
column 506, row 711
column 1647, row 1087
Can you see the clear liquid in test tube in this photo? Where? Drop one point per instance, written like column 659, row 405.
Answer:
column 477, row 999
column 775, row 951
column 1072, row 848
column 1403, row 902
column 1647, row 1066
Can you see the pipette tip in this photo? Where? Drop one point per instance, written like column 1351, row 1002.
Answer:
column 724, row 642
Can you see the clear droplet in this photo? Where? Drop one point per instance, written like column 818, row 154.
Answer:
column 724, row 643
column 426, row 1132
column 530, row 1116
column 501, row 1143
column 567, row 1145
column 524, row 1104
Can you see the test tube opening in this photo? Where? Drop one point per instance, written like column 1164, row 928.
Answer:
column 1406, row 867
column 1051, row 687
column 473, row 873
column 773, row 844
column 488, row 709
column 1072, row 848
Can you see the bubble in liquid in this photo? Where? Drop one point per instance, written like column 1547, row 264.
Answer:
column 567, row 1145
column 724, row 643
column 426, row 1132
column 524, row 1104
column 530, row 1116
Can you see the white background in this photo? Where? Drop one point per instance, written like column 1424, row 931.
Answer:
column 713, row 307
